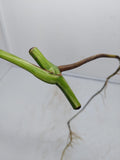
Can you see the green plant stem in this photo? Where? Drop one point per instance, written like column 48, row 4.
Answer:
column 42, row 74
column 42, row 61
column 35, row 70
column 63, row 85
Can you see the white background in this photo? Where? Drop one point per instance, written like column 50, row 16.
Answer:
column 33, row 114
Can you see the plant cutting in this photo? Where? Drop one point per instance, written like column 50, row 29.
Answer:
column 52, row 74
column 46, row 71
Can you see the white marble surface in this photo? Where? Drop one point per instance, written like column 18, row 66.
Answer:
column 33, row 118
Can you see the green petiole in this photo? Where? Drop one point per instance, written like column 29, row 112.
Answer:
column 35, row 70
column 47, row 72
column 42, row 61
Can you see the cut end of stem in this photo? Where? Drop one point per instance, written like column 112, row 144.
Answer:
column 30, row 50
column 77, row 108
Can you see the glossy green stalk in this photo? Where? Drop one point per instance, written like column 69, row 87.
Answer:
column 36, row 71
column 42, row 61
column 48, row 73
column 61, row 82
column 63, row 85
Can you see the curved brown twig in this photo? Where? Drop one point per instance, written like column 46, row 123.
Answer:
column 86, row 60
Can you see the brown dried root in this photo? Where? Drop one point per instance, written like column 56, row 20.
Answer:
column 71, row 134
column 71, row 137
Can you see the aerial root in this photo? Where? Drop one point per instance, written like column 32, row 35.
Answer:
column 73, row 135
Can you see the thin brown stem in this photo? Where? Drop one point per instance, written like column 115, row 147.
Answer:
column 86, row 60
